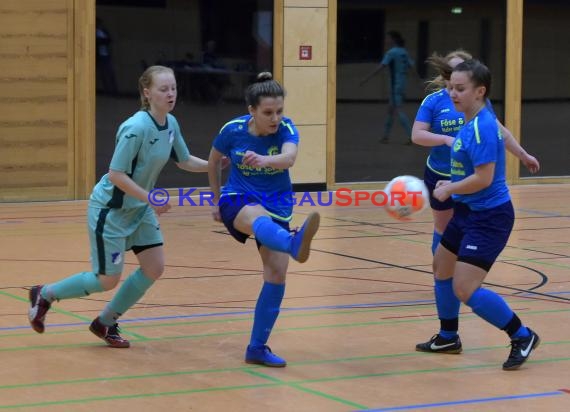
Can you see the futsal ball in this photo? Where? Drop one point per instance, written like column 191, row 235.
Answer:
column 407, row 196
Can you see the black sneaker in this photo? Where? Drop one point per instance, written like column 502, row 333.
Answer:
column 520, row 351
column 109, row 334
column 38, row 309
column 437, row 344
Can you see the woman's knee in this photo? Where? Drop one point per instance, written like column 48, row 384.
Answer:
column 153, row 272
column 275, row 273
column 462, row 291
column 109, row 282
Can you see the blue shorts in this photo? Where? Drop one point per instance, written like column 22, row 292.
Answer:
column 430, row 179
column 230, row 206
column 478, row 237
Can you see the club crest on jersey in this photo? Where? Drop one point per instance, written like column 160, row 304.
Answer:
column 116, row 258
column 170, row 136
column 457, row 145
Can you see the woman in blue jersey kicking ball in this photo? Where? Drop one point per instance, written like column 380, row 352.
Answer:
column 436, row 125
column 483, row 214
column 257, row 200
column 120, row 214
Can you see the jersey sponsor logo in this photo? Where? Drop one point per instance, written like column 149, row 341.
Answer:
column 272, row 151
column 457, row 145
column 471, row 247
column 116, row 258
column 170, row 136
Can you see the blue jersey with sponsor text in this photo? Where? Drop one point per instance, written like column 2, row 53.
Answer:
column 268, row 186
column 438, row 111
column 480, row 142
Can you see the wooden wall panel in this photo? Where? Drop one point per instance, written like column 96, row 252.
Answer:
column 306, row 94
column 36, row 99
column 23, row 67
column 34, row 90
column 306, row 3
column 307, row 84
column 306, row 26
column 36, row 45
column 312, row 151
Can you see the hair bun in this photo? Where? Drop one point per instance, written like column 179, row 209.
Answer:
column 263, row 77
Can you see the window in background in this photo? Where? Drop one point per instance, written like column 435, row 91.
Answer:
column 215, row 47
column 427, row 27
column 546, row 88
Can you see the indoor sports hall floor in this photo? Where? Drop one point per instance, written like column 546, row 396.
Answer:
column 350, row 319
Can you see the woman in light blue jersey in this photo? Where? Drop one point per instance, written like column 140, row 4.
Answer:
column 121, row 216
column 483, row 216
column 257, row 199
column 436, row 125
column 398, row 60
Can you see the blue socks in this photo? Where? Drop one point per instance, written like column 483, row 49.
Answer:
column 130, row 292
column 435, row 241
column 447, row 308
column 80, row 284
column 266, row 312
column 493, row 308
column 271, row 235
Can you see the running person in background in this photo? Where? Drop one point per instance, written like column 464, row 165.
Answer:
column 257, row 200
column 483, row 214
column 399, row 61
column 436, row 125
column 120, row 217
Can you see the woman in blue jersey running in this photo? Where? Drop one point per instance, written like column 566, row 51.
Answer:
column 436, row 125
column 121, row 216
column 257, row 200
column 483, row 214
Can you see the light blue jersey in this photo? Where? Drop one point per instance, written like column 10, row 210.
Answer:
column 480, row 142
column 142, row 149
column 399, row 62
column 438, row 111
column 261, row 184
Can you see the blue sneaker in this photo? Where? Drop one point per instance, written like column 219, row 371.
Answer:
column 264, row 356
column 301, row 242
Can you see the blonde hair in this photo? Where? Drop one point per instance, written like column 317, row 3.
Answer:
column 443, row 69
column 145, row 82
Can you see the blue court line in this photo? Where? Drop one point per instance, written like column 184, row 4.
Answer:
column 466, row 402
column 236, row 313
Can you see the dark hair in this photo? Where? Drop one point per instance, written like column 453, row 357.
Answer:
column 264, row 86
column 397, row 38
column 480, row 74
column 441, row 65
